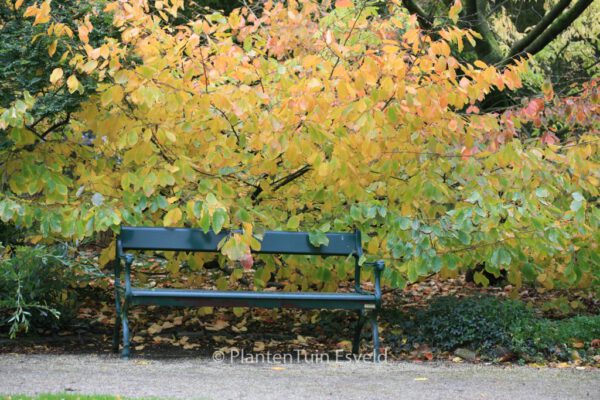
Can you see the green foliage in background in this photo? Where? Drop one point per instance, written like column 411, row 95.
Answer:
column 35, row 287
column 486, row 324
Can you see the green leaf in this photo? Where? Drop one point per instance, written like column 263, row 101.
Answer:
column 242, row 215
column 578, row 197
column 450, row 261
column 403, row 223
column 475, row 197
column 500, row 256
column 464, row 237
column 218, row 219
column 205, row 222
column 294, row 222
column 355, row 213
column 481, row 279
column 576, row 205
column 318, row 239
column 411, row 269
column 529, row 271
column 541, row 192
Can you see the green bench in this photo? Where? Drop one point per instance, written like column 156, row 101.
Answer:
column 365, row 303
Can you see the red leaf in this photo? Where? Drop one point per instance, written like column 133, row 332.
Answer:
column 533, row 108
column 247, row 261
column 549, row 138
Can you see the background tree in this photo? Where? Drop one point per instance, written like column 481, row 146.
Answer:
column 561, row 35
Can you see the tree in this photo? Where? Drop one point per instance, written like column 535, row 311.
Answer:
column 31, row 50
column 475, row 14
column 317, row 118
column 562, row 32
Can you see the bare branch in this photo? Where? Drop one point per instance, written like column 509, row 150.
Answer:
column 278, row 184
column 557, row 27
column 544, row 23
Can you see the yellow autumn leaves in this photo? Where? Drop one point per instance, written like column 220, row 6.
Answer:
column 300, row 118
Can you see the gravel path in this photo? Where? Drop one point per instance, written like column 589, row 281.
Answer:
column 206, row 379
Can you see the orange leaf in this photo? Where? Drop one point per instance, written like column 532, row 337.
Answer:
column 83, row 33
column 343, row 4
column 468, row 152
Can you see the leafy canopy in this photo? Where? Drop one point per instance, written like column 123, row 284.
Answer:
column 308, row 117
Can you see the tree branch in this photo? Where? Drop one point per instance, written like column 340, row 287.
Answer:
column 544, row 23
column 487, row 48
column 557, row 27
column 278, row 184
column 57, row 125
column 422, row 16
column 42, row 136
column 228, row 121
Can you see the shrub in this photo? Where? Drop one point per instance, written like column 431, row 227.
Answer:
column 34, row 283
column 479, row 323
column 556, row 338
column 486, row 323
column 305, row 117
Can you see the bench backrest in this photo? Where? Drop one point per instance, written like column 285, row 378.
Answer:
column 273, row 242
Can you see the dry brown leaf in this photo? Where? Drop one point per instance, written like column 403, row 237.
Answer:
column 154, row 329
column 345, row 344
column 167, row 325
column 238, row 329
column 218, row 325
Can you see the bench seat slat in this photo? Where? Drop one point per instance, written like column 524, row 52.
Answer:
column 273, row 242
column 212, row 298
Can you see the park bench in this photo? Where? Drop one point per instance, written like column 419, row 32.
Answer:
column 365, row 303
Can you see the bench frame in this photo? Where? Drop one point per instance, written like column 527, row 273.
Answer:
column 366, row 304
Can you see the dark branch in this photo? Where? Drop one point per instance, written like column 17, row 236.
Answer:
column 475, row 15
column 228, row 121
column 278, row 184
column 42, row 136
column 57, row 125
column 422, row 16
column 558, row 27
column 544, row 23
column 295, row 175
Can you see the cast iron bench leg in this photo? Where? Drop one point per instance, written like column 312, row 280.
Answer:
column 117, row 331
column 128, row 262
column 125, row 352
column 375, row 337
column 357, row 332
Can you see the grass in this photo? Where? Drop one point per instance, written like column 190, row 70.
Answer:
column 65, row 396
column 62, row 397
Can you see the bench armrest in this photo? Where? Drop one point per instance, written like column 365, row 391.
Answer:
column 128, row 261
column 378, row 267
column 128, row 258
